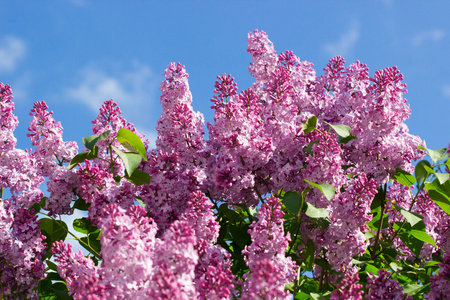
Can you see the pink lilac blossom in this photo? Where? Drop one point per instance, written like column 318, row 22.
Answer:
column 440, row 282
column 79, row 272
column 213, row 277
column 46, row 136
column 269, row 268
column 350, row 211
column 381, row 286
column 8, row 121
column 180, row 129
column 348, row 288
column 128, row 244
column 22, row 250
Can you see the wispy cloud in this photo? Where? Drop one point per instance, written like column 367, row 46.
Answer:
column 346, row 42
column 12, row 51
column 446, row 91
column 434, row 35
column 131, row 88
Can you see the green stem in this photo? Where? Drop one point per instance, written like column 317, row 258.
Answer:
column 87, row 245
column 377, row 238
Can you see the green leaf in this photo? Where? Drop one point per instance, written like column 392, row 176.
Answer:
column 320, row 215
column 308, row 149
column 404, row 178
column 131, row 160
column 131, row 141
column 60, row 289
column 293, row 202
column 441, row 177
column 347, row 139
column 51, row 265
column 341, row 130
column 139, row 177
column 240, row 235
column 327, row 189
column 55, row 229
column 440, row 194
column 308, row 254
column 436, row 155
column 90, row 141
column 36, row 207
column 141, row 203
column 83, row 225
column 414, row 244
column 414, row 289
column 81, row 157
column 423, row 236
column 420, row 171
column 411, row 217
column 93, row 240
column 430, row 264
column 309, row 125
column 80, row 204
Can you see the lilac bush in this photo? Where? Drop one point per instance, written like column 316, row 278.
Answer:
column 308, row 186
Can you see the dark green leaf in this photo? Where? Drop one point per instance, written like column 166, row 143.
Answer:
column 327, row 189
column 90, row 141
column 139, row 177
column 308, row 254
column 43, row 202
column 240, row 235
column 420, row 171
column 83, row 225
column 131, row 141
column 60, row 289
column 81, row 157
column 378, row 199
column 80, row 204
column 404, row 178
column 131, row 160
column 308, row 149
column 293, row 202
column 309, row 125
column 347, row 139
column 51, row 265
column 36, row 207
column 55, row 229
column 414, row 244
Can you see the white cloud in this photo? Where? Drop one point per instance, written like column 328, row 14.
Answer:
column 345, row 43
column 132, row 88
column 12, row 50
column 446, row 91
column 434, row 35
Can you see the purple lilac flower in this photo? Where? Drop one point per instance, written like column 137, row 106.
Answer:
column 270, row 269
column 348, row 288
column 383, row 287
column 440, row 282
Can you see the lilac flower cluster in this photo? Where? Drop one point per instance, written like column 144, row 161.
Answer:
column 381, row 286
column 440, row 282
column 269, row 268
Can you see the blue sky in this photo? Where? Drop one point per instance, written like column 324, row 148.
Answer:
column 75, row 54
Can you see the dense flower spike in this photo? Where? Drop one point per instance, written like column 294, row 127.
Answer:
column 21, row 252
column 8, row 122
column 269, row 268
column 381, row 286
column 348, row 288
column 440, row 283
